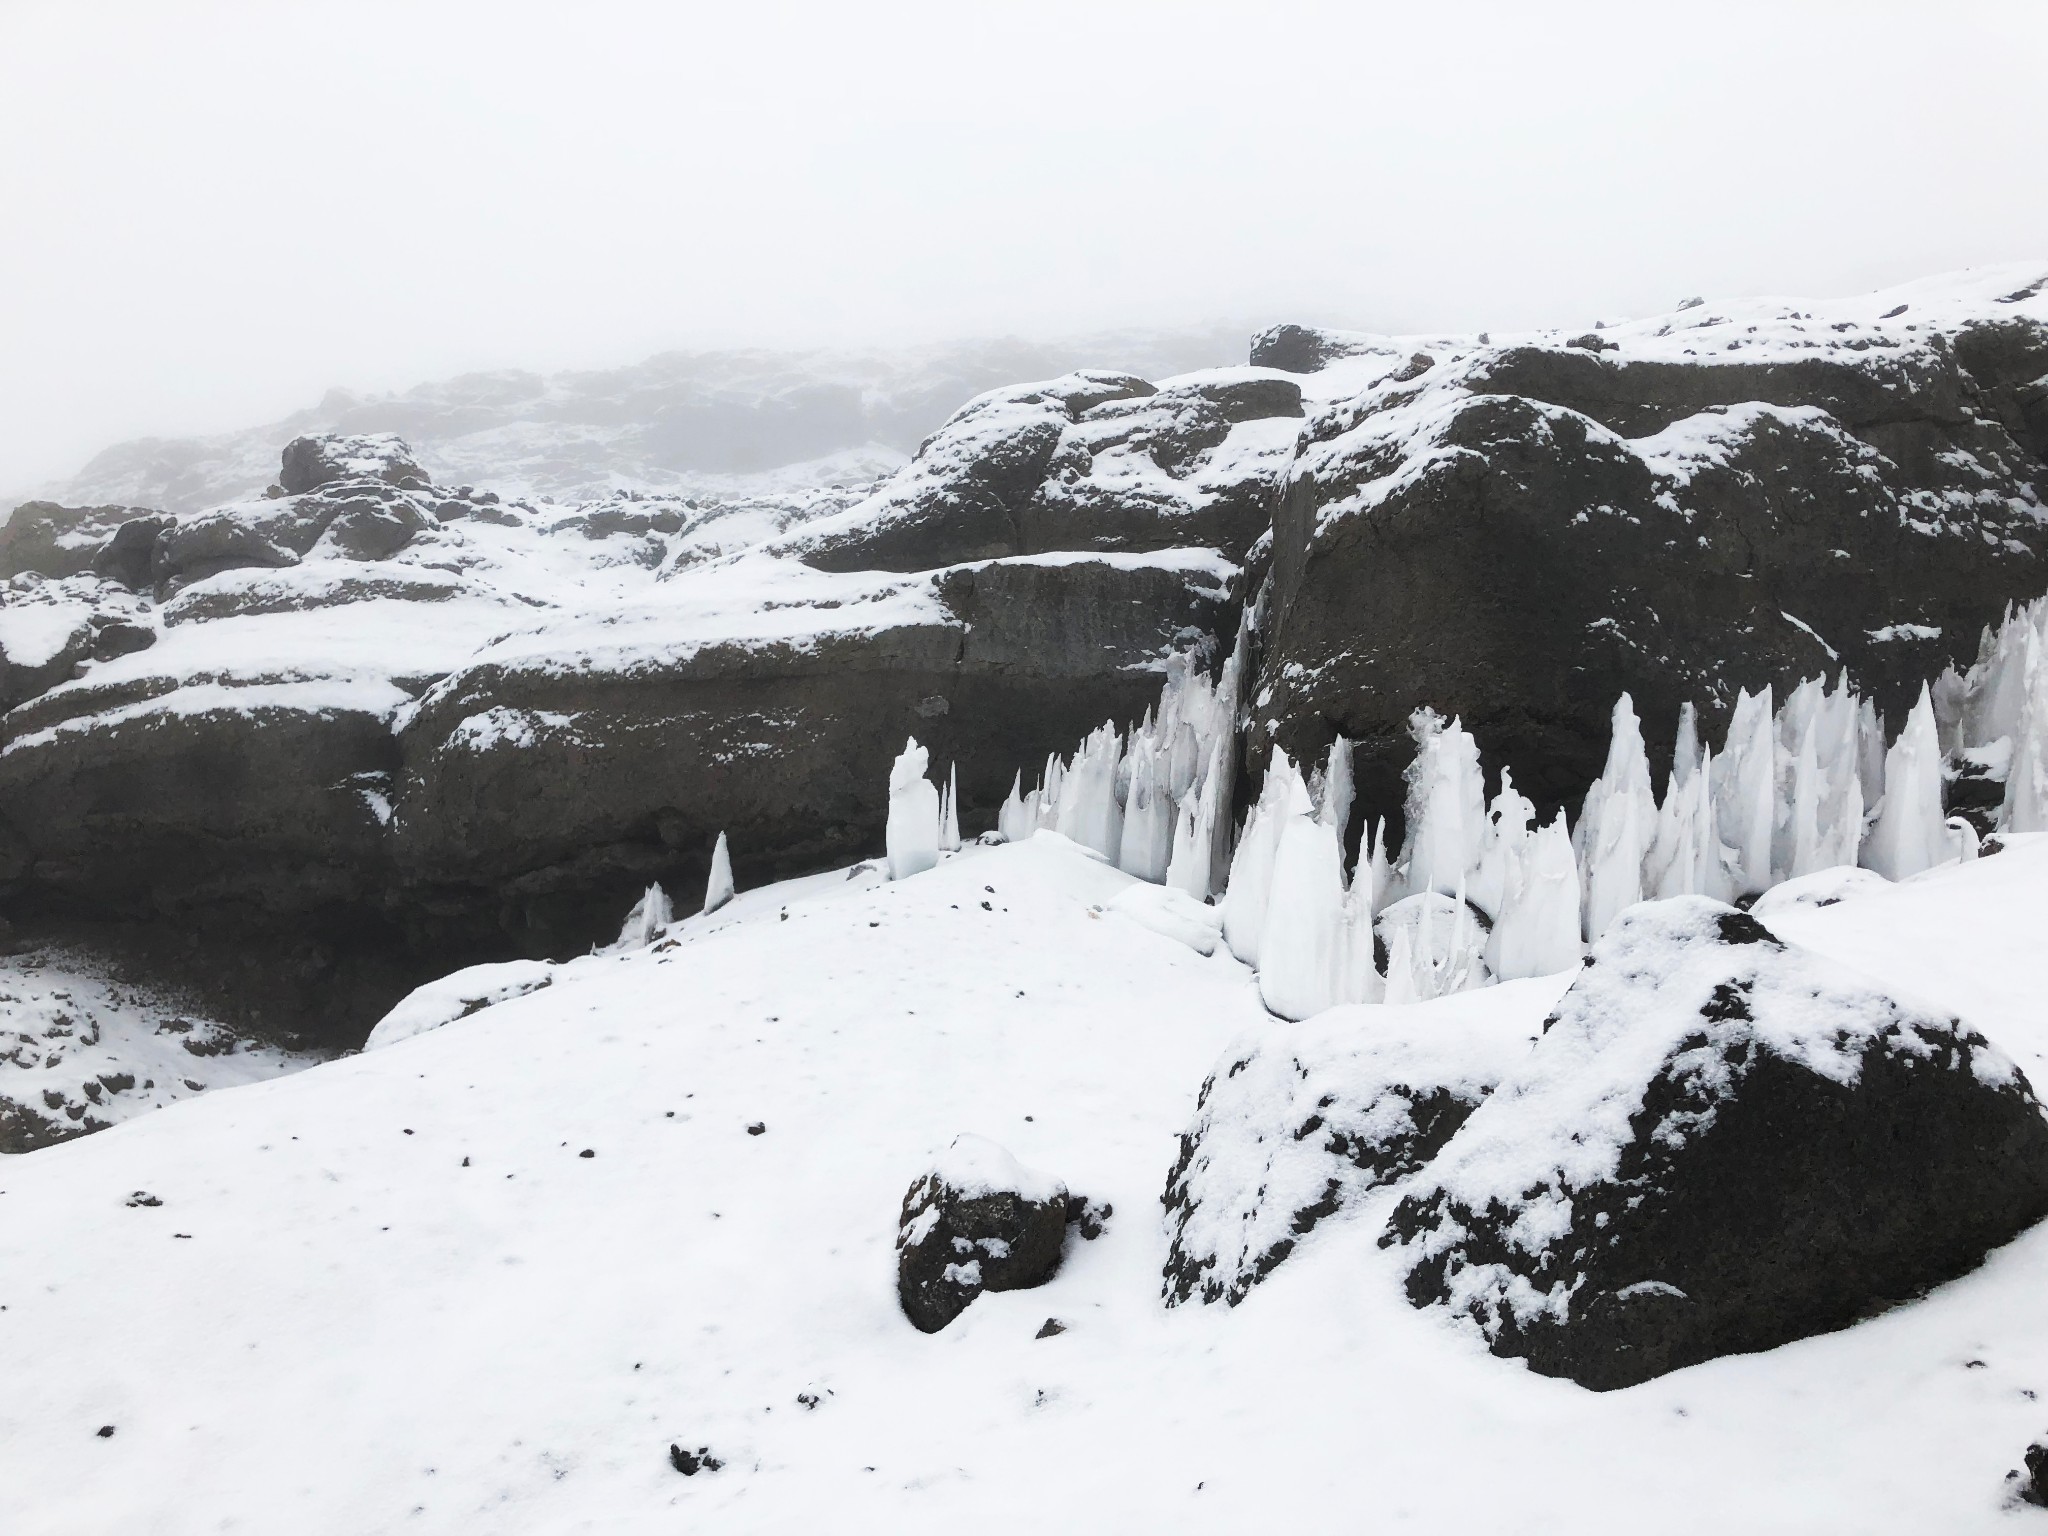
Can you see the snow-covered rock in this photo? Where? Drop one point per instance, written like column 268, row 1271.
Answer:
column 1720, row 1143
column 1297, row 1123
column 979, row 1220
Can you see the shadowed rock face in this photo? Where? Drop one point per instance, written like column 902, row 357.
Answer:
column 1720, row 1144
column 1521, row 537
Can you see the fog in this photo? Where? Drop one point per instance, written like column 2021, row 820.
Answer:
column 214, row 211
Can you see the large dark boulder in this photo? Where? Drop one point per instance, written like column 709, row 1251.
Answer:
column 1299, row 1121
column 977, row 1221
column 1720, row 1144
column 1522, row 534
column 311, row 462
column 59, row 541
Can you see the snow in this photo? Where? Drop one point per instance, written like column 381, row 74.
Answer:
column 361, row 1333
column 456, row 996
column 81, row 1048
column 974, row 1167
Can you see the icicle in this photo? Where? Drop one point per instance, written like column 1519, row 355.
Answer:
column 949, row 811
column 1746, row 794
column 1507, row 834
column 1017, row 819
column 1358, row 977
column 1089, row 813
column 1251, row 868
column 1379, row 869
column 1802, row 822
column 912, row 835
column 1400, row 983
column 1333, row 809
column 1446, row 806
column 1537, row 932
column 2025, row 807
column 1300, row 951
column 718, row 890
column 1910, row 835
column 1146, row 847
column 1685, row 754
column 1869, row 752
column 1618, row 825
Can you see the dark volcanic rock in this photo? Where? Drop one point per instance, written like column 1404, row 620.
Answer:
column 129, row 557
column 59, row 541
column 1098, row 462
column 978, row 1221
column 1720, row 1144
column 1303, row 1119
column 540, row 797
column 311, row 462
column 1521, row 538
column 1308, row 349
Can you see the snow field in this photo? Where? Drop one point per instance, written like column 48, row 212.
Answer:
column 362, row 1334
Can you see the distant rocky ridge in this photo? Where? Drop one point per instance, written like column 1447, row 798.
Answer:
column 371, row 721
column 718, row 424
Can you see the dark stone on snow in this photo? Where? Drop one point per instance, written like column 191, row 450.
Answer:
column 113, row 637
column 977, row 1222
column 1304, row 348
column 690, row 1463
column 2033, row 1483
column 129, row 556
column 1720, row 1144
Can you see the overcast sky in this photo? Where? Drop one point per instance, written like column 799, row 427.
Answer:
column 210, row 212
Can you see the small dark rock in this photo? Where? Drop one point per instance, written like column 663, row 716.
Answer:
column 979, row 1221
column 758, row 1128
column 143, row 1197
column 105, row 1432
column 690, row 1463
column 1050, row 1328
column 2033, row 1482
column 587, row 1152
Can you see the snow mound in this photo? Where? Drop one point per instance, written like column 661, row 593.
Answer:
column 457, row 996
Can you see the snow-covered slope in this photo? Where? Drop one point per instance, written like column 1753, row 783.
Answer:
column 483, row 1279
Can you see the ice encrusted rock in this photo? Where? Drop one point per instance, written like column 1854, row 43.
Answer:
column 1298, row 1121
column 1721, row 1143
column 457, row 996
column 977, row 1221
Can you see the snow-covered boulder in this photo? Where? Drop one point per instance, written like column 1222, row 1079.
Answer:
column 1298, row 1121
column 1822, row 888
column 457, row 996
column 311, row 462
column 1721, row 1143
column 979, row 1220
column 1174, row 914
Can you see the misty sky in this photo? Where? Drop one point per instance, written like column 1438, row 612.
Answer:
column 210, row 212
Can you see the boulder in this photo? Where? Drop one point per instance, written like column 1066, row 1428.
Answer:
column 195, row 548
column 1721, row 1143
column 59, row 541
column 1298, row 1121
column 129, row 557
column 311, row 462
column 977, row 1221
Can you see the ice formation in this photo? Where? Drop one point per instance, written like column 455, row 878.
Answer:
column 1910, row 834
column 1618, row 825
column 949, row 812
column 718, row 890
column 643, row 925
column 912, row 835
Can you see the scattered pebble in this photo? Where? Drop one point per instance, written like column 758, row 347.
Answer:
column 758, row 1128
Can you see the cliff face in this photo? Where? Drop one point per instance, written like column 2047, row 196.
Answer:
column 336, row 737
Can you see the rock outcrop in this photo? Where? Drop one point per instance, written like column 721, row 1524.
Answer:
column 1515, row 533
column 1720, row 1144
